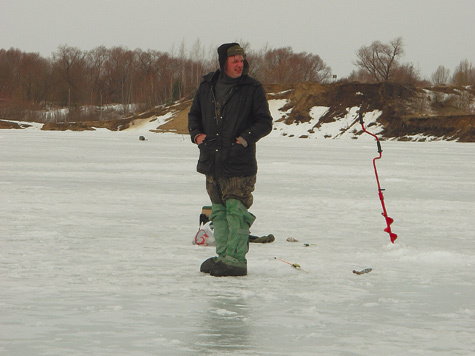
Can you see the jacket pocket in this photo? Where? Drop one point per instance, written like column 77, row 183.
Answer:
column 242, row 160
column 239, row 153
column 207, row 157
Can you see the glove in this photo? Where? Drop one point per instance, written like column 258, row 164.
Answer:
column 242, row 141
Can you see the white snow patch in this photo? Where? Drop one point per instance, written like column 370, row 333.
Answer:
column 347, row 126
column 281, row 92
column 153, row 123
column 27, row 124
column 275, row 108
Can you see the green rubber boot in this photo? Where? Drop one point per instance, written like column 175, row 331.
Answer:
column 221, row 233
column 221, row 229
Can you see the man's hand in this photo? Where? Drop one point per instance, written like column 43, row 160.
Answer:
column 200, row 138
column 241, row 141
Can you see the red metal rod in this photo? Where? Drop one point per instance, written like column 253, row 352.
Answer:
column 389, row 220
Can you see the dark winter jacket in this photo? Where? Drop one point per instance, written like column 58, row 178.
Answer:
column 245, row 113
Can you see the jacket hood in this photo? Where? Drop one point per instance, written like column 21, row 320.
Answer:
column 231, row 49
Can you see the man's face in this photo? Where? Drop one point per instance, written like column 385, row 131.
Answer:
column 234, row 66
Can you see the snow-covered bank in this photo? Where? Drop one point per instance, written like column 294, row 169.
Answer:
column 96, row 254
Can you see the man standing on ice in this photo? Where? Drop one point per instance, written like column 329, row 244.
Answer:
column 228, row 116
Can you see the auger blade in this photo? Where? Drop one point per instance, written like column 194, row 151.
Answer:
column 393, row 237
column 389, row 220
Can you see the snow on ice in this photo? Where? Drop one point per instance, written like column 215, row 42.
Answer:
column 96, row 255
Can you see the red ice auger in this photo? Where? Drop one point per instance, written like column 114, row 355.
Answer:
column 389, row 220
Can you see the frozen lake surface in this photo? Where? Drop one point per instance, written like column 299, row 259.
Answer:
column 96, row 255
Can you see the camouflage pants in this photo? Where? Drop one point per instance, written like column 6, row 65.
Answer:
column 221, row 189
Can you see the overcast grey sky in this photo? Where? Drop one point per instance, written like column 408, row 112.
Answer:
column 435, row 32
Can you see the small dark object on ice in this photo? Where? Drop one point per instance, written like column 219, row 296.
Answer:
column 261, row 239
column 366, row 270
column 142, row 138
column 294, row 265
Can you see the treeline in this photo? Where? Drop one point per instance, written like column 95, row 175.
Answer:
column 73, row 78
column 139, row 80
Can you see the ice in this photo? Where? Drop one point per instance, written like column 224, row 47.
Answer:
column 96, row 256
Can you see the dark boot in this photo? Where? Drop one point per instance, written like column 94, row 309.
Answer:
column 207, row 265
column 221, row 269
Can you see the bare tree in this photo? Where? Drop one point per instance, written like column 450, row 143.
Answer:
column 440, row 76
column 256, row 61
column 282, row 65
column 9, row 73
column 276, row 67
column 70, row 69
column 197, row 56
column 96, row 60
column 379, row 59
column 464, row 74
column 35, row 77
column 406, row 74
column 315, row 69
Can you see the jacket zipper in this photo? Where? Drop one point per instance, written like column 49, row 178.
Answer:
column 220, row 116
column 215, row 104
